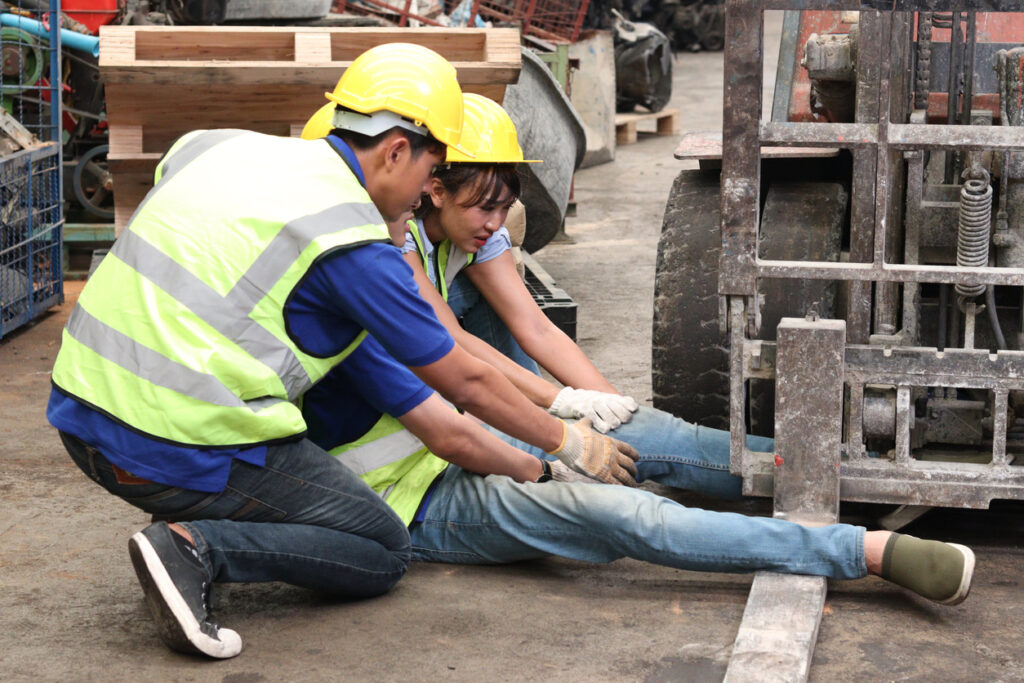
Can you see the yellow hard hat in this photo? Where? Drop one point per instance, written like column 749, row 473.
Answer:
column 409, row 80
column 487, row 133
column 320, row 124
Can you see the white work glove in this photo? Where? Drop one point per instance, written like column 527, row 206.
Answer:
column 561, row 472
column 595, row 455
column 605, row 411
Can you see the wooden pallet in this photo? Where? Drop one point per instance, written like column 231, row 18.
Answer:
column 162, row 82
column 666, row 121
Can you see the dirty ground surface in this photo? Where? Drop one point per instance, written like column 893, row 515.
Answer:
column 70, row 607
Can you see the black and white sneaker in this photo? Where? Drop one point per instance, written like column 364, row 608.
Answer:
column 177, row 589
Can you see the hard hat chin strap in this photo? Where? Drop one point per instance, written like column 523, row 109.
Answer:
column 374, row 124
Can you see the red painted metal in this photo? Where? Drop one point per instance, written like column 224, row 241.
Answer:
column 92, row 13
column 1006, row 27
column 800, row 96
column 385, row 9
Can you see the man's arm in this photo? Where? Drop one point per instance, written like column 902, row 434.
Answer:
column 482, row 390
column 538, row 390
column 461, row 441
column 372, row 288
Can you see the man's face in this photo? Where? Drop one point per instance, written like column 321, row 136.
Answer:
column 408, row 178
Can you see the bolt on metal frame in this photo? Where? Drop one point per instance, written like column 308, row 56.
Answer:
column 878, row 140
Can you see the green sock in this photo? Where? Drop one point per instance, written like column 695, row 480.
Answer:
column 933, row 569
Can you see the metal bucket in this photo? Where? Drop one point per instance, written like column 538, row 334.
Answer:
column 549, row 129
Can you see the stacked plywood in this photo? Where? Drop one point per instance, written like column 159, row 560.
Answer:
column 162, row 82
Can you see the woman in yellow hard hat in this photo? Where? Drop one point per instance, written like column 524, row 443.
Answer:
column 461, row 254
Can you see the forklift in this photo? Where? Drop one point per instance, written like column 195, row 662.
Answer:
column 847, row 276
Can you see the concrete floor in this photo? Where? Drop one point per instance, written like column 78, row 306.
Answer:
column 70, row 607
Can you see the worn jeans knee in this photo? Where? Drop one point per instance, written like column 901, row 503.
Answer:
column 304, row 519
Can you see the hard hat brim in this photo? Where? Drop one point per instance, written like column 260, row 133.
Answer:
column 370, row 110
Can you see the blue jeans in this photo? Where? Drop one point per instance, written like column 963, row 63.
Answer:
column 480, row 320
column 304, row 519
column 492, row 520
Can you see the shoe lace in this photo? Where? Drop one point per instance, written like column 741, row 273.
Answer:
column 207, row 609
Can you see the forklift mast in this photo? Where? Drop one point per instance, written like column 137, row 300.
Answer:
column 923, row 100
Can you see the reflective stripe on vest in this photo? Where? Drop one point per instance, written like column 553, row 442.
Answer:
column 217, row 310
column 181, row 334
column 382, row 452
column 139, row 360
column 444, row 261
column 394, row 463
column 188, row 147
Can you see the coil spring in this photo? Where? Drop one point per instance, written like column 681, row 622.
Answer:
column 973, row 233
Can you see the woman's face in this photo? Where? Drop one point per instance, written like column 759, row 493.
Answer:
column 469, row 227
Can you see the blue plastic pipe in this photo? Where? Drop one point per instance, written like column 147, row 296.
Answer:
column 74, row 40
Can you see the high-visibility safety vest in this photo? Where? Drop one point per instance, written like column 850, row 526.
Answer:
column 389, row 458
column 448, row 259
column 394, row 463
column 180, row 333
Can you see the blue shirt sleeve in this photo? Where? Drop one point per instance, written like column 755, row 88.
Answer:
column 366, row 288
column 496, row 245
column 352, row 397
column 410, row 245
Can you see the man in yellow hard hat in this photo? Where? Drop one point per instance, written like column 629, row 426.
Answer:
column 255, row 266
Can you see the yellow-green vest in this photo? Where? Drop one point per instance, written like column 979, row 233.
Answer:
column 448, row 259
column 180, row 332
column 389, row 458
column 394, row 463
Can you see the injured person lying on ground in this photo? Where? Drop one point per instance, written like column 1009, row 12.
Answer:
column 459, row 512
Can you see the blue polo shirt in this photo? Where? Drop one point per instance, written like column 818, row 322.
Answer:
column 364, row 288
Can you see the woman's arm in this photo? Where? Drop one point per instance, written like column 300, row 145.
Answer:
column 538, row 390
column 499, row 283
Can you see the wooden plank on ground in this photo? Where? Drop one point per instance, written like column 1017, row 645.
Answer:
column 780, row 626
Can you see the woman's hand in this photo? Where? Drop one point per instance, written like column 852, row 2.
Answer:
column 605, row 411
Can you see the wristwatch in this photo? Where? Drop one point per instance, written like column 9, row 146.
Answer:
column 546, row 474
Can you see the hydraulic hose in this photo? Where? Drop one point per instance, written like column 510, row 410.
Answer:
column 993, row 318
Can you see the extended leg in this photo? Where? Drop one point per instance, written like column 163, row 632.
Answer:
column 676, row 453
column 490, row 520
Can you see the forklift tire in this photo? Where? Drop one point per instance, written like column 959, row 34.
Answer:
column 690, row 355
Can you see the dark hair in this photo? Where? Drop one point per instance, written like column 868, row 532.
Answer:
column 489, row 182
column 418, row 144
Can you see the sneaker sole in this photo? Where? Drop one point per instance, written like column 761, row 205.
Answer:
column 177, row 625
column 965, row 579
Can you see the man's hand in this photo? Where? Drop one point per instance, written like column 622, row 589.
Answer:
column 599, row 457
column 605, row 411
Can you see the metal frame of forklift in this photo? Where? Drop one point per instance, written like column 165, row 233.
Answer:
column 883, row 145
column 821, row 457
